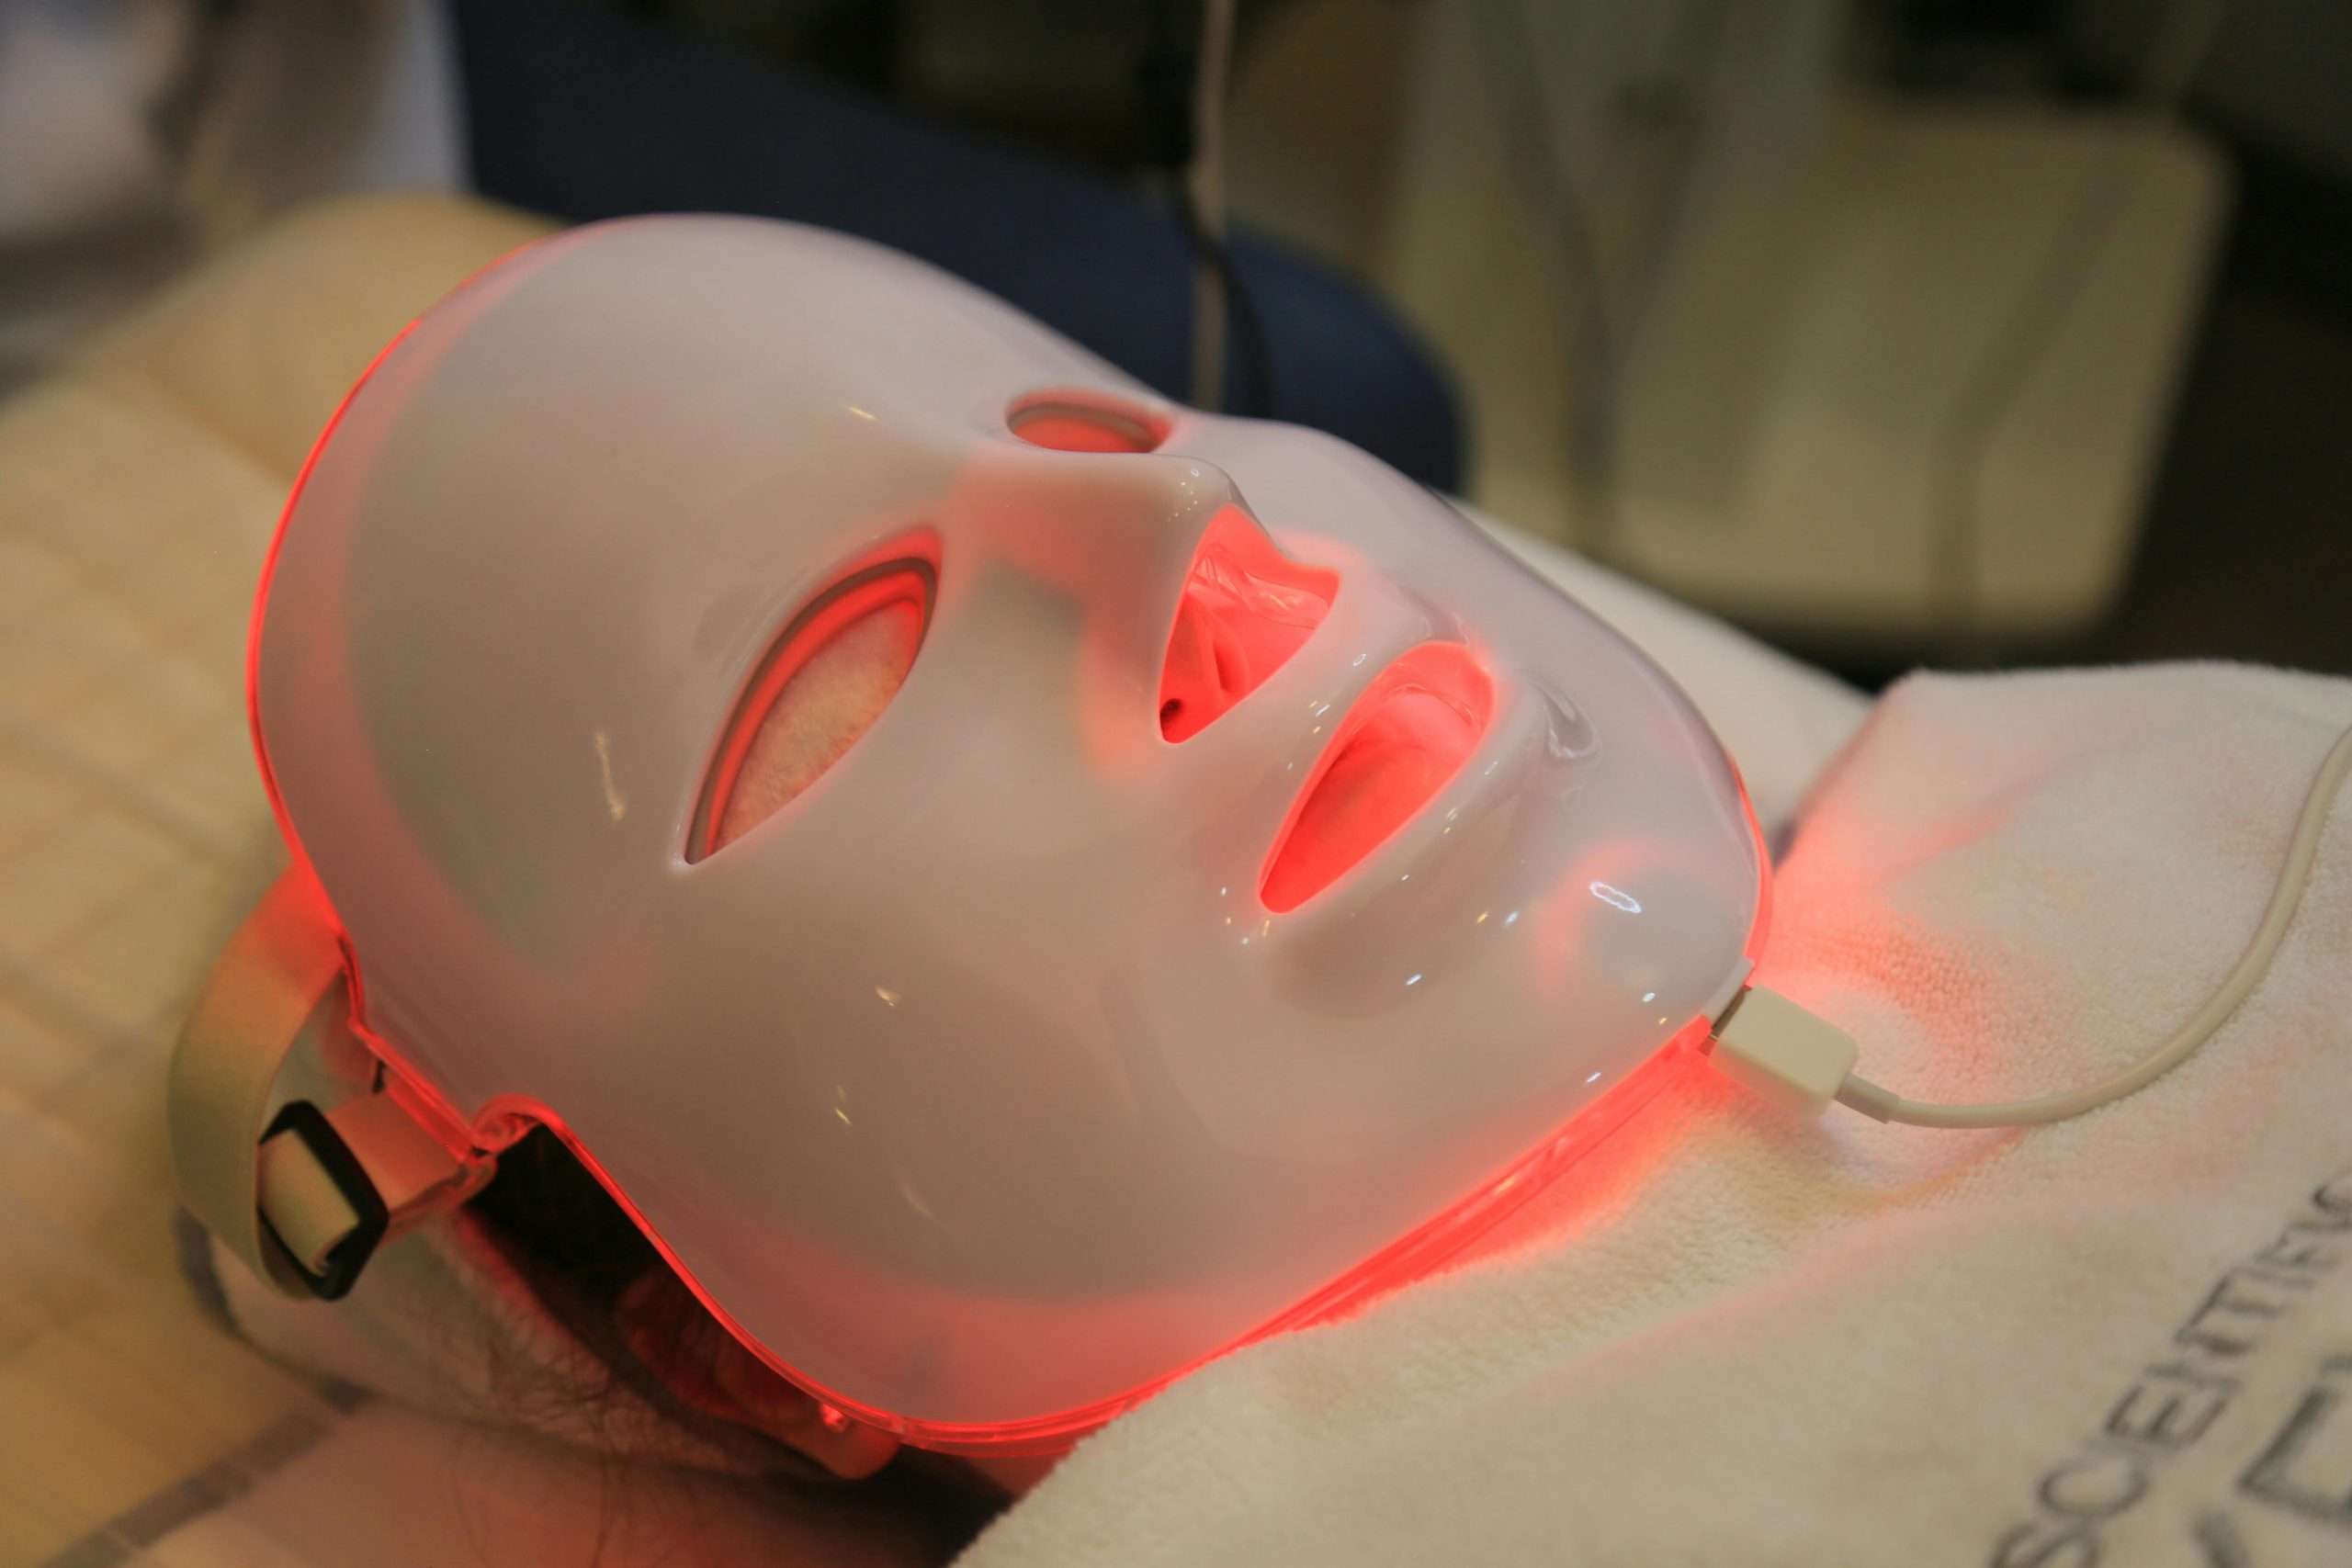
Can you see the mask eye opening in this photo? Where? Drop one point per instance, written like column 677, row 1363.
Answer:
column 895, row 585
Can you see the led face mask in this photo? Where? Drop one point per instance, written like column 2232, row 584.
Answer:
column 1017, row 886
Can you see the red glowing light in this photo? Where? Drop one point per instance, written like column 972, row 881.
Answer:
column 901, row 588
column 1246, row 608
column 466, row 286
column 1251, row 609
column 1411, row 1257
column 269, row 571
column 1410, row 732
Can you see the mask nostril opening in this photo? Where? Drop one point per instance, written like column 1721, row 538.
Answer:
column 1246, row 608
column 1084, row 422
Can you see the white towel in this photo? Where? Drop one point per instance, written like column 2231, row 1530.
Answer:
column 1732, row 1338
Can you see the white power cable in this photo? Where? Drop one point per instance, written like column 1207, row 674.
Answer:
column 1797, row 1057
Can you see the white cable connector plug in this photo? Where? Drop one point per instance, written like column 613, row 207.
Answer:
column 1795, row 1059
column 1803, row 1062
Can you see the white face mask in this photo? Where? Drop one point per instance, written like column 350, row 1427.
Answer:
column 1252, row 884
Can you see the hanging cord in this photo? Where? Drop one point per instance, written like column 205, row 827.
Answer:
column 1204, row 203
column 1183, row 78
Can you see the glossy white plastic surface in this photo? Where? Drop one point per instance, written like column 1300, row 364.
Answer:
column 976, row 1086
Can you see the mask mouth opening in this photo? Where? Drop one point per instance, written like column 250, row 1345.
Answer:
column 1402, row 741
column 822, row 687
column 1246, row 609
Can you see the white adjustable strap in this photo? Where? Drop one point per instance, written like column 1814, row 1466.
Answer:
column 304, row 1196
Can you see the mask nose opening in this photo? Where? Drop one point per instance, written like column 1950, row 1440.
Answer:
column 1409, row 733
column 1246, row 608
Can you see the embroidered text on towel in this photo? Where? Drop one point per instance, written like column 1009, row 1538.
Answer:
column 2177, row 1398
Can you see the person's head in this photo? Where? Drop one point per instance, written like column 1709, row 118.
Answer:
column 1012, row 886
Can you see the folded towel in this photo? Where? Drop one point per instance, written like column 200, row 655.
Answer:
column 1733, row 1337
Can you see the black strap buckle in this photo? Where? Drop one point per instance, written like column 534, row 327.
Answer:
column 350, row 1254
